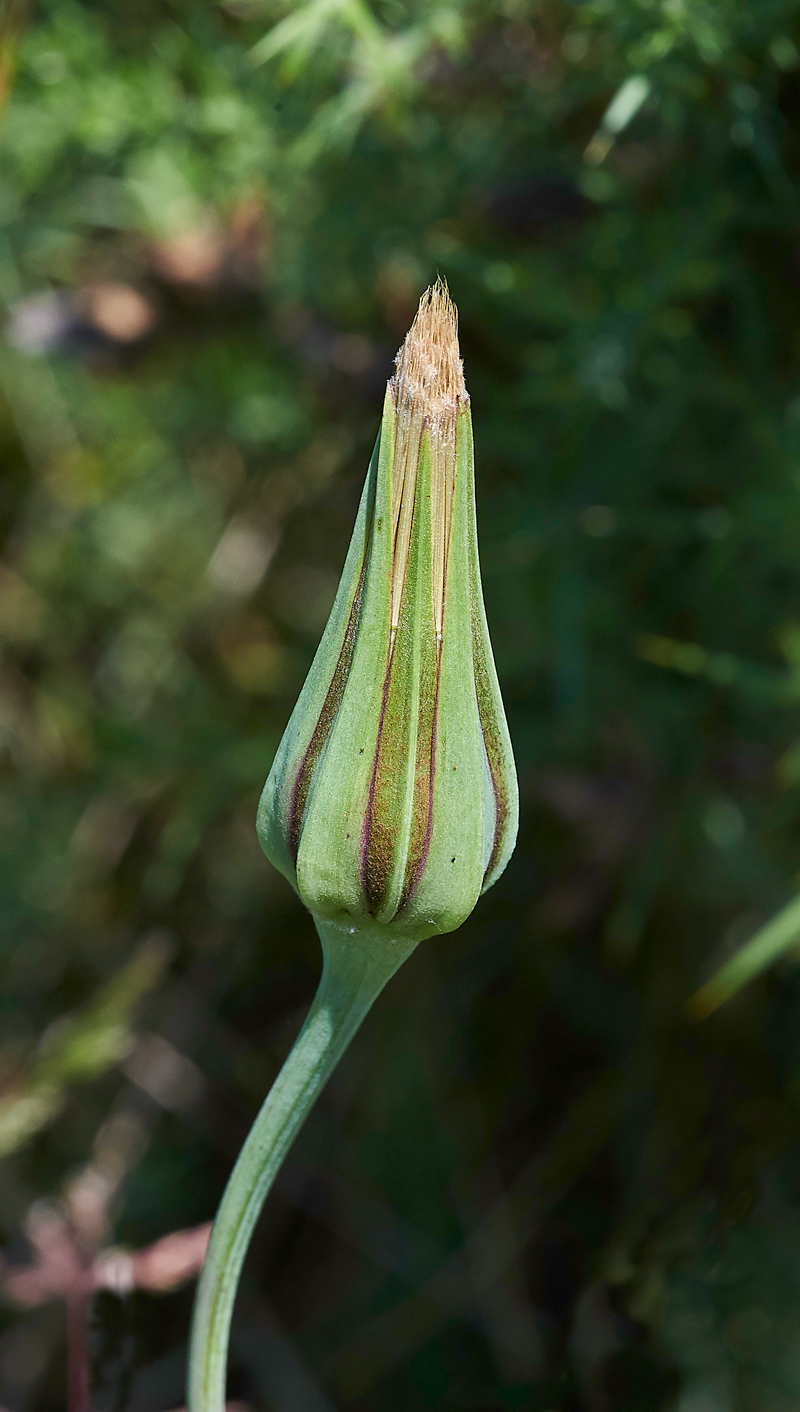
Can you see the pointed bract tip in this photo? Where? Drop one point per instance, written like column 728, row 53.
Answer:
column 429, row 368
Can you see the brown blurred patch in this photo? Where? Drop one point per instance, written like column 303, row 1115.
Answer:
column 251, row 654
column 118, row 311
column 609, row 814
column 22, row 612
column 215, row 254
column 398, row 285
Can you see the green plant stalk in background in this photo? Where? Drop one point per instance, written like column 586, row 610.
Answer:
column 392, row 801
column 770, row 942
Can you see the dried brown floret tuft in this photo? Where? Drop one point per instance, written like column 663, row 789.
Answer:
column 429, row 368
column 428, row 389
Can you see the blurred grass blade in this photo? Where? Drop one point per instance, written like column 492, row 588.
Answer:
column 81, row 1046
column 768, row 944
column 303, row 30
column 753, row 680
column 621, row 110
column 625, row 104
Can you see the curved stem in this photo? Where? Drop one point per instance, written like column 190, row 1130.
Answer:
column 356, row 967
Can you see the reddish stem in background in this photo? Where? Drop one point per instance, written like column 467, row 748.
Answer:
column 77, row 1354
column 60, row 1271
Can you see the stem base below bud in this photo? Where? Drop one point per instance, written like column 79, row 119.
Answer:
column 356, row 967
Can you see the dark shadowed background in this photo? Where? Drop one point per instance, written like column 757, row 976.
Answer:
column 535, row 1182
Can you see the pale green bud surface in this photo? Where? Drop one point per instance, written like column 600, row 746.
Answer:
column 392, row 801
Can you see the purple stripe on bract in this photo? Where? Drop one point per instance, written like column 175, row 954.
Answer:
column 376, row 844
column 491, row 739
column 327, row 716
column 420, row 845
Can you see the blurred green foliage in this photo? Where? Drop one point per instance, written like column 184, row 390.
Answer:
column 536, row 1183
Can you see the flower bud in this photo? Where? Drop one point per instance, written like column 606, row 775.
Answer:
column 392, row 801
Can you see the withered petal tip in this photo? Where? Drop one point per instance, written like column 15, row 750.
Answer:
column 429, row 367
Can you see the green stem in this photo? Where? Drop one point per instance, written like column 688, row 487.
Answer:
column 356, row 967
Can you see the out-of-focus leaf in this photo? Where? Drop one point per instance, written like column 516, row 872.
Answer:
column 80, row 1046
column 770, row 942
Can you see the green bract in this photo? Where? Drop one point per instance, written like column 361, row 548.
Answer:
column 392, row 801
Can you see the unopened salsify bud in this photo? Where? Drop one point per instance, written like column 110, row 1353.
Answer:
column 392, row 801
